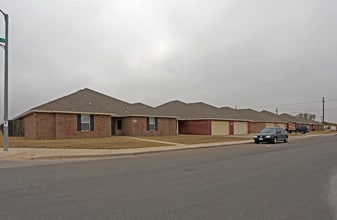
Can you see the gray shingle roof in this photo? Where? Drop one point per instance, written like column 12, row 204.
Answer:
column 288, row 118
column 89, row 101
column 271, row 117
column 85, row 100
column 251, row 115
column 199, row 110
column 230, row 113
column 188, row 110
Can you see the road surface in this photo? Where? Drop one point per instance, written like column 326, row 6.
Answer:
column 296, row 180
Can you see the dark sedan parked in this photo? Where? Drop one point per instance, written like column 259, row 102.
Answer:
column 271, row 135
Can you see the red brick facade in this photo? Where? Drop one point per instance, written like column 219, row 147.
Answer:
column 39, row 126
column 137, row 126
column 62, row 125
column 255, row 127
column 59, row 126
column 202, row 127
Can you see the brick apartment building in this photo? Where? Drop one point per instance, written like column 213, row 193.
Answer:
column 87, row 113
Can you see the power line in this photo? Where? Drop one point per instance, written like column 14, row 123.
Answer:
column 284, row 104
column 297, row 103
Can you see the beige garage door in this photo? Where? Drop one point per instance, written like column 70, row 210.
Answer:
column 270, row 125
column 220, row 128
column 240, row 127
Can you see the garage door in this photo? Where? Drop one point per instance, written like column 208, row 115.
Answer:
column 240, row 127
column 220, row 128
column 270, row 125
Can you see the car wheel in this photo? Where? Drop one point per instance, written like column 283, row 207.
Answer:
column 285, row 139
column 257, row 142
column 275, row 140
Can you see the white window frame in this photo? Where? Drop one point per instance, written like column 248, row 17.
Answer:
column 152, row 123
column 85, row 122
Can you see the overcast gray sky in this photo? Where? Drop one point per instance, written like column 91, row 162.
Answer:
column 258, row 54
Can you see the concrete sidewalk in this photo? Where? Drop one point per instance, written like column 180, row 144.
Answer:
column 58, row 154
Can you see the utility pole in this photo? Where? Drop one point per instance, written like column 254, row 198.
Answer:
column 277, row 110
column 5, row 41
column 323, row 102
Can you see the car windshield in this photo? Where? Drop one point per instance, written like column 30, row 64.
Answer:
column 268, row 130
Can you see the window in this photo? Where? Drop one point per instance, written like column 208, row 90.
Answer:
column 85, row 122
column 152, row 124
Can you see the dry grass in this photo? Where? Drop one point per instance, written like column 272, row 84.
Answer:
column 195, row 139
column 82, row 143
column 126, row 142
column 116, row 142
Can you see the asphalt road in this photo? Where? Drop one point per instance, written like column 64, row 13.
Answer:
column 297, row 180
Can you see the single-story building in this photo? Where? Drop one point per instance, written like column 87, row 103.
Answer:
column 260, row 120
column 87, row 113
column 312, row 125
column 203, row 119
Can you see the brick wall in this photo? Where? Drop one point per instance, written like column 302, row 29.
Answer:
column 66, row 126
column 256, row 127
column 59, row 126
column 134, row 126
column 202, row 127
column 39, row 126
column 29, row 126
column 45, row 126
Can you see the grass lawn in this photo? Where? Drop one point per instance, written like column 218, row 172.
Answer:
column 81, row 143
column 116, row 142
column 195, row 139
column 124, row 142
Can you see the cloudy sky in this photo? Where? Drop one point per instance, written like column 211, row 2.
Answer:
column 262, row 54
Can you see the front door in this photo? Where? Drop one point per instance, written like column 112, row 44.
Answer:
column 116, row 126
column 113, row 125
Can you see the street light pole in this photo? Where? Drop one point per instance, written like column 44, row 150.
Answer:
column 6, row 83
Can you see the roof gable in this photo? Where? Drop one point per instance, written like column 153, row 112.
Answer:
column 85, row 100
column 90, row 101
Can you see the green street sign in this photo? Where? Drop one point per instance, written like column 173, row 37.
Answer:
column 2, row 40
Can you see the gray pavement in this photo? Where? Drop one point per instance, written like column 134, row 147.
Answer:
column 295, row 180
column 58, row 154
